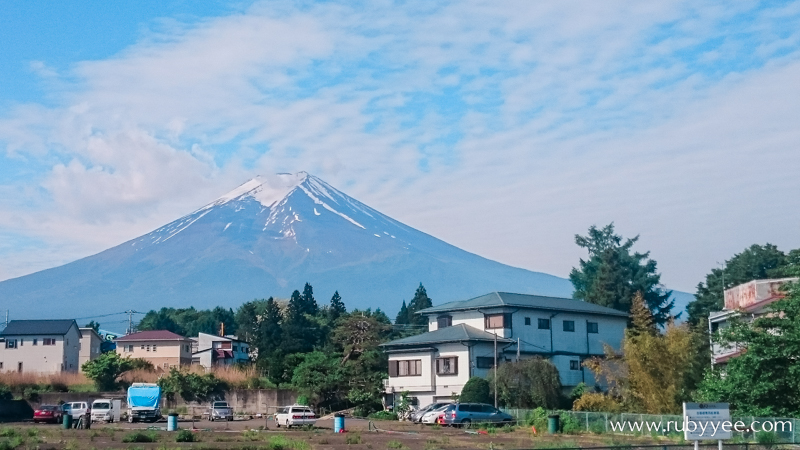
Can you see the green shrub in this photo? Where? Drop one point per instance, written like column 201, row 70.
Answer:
column 475, row 391
column 140, row 436
column 283, row 443
column 354, row 438
column 9, row 432
column 383, row 415
column 185, row 436
column 570, row 425
column 767, row 439
column 394, row 444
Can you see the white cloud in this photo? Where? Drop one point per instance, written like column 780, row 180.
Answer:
column 564, row 115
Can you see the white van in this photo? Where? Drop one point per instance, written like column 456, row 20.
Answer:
column 76, row 409
column 106, row 410
column 295, row 415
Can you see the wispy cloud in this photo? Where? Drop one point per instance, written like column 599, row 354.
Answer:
column 504, row 128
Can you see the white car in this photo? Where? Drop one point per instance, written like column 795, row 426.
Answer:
column 295, row 416
column 77, row 409
column 430, row 417
column 105, row 410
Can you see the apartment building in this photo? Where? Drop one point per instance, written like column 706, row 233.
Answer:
column 463, row 335
column 162, row 348
column 40, row 346
column 747, row 302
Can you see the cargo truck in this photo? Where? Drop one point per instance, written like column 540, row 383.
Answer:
column 143, row 402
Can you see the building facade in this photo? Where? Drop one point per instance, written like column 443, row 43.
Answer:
column 461, row 343
column 747, row 302
column 40, row 346
column 164, row 349
column 90, row 345
column 209, row 351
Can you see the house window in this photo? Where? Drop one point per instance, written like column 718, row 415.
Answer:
column 236, row 348
column 130, row 348
column 148, row 348
column 574, row 365
column 186, row 347
column 569, row 325
column 406, row 368
column 527, row 321
column 544, row 324
column 444, row 322
column 21, row 341
column 591, row 327
column 447, row 366
column 1, row 365
column 11, row 343
column 484, row 362
column 154, row 347
column 142, row 346
column 36, row 342
column 48, row 341
column 166, row 365
column 493, row 321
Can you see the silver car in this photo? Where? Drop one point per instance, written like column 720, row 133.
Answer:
column 416, row 416
column 466, row 414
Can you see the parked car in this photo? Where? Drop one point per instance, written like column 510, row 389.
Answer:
column 48, row 413
column 220, row 411
column 465, row 414
column 77, row 409
column 431, row 417
column 106, row 410
column 295, row 415
column 416, row 416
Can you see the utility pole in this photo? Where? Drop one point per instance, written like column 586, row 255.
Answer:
column 130, row 314
column 517, row 349
column 6, row 318
column 495, row 369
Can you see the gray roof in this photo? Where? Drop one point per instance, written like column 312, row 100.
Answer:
column 496, row 299
column 38, row 327
column 455, row 333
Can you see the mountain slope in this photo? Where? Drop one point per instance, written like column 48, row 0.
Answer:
column 268, row 237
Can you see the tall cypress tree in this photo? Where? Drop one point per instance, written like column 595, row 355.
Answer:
column 613, row 274
column 336, row 308
column 309, row 303
column 402, row 316
column 418, row 303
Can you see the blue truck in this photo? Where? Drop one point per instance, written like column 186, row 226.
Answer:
column 143, row 402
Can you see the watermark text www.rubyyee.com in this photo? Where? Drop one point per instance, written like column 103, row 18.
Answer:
column 709, row 429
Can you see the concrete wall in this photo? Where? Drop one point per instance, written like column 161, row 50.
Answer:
column 244, row 400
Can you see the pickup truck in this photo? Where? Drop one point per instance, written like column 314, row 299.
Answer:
column 220, row 411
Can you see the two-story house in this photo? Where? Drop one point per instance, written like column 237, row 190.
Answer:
column 91, row 345
column 209, row 350
column 164, row 349
column 463, row 335
column 40, row 346
column 747, row 302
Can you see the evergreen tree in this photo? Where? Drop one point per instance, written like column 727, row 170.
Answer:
column 93, row 325
column 613, row 274
column 402, row 316
column 336, row 308
column 300, row 333
column 309, row 303
column 418, row 303
column 754, row 263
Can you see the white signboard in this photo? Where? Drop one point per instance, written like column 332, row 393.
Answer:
column 706, row 421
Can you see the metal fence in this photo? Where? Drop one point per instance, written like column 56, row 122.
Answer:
column 784, row 429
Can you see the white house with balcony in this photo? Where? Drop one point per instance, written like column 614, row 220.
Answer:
column 460, row 342
column 746, row 301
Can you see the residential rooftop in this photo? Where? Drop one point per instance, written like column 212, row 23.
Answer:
column 456, row 333
column 499, row 299
column 154, row 335
column 38, row 327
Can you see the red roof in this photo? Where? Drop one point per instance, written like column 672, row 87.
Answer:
column 155, row 335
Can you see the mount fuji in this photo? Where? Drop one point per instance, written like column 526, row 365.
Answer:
column 266, row 238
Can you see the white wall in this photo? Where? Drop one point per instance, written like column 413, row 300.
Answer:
column 89, row 346
column 45, row 359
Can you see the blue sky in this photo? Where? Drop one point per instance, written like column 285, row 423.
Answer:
column 503, row 128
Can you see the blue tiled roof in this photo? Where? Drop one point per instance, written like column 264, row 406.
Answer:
column 497, row 299
column 455, row 333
